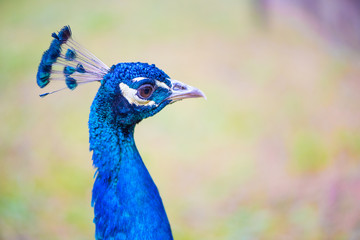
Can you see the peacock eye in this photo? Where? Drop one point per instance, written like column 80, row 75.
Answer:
column 145, row 91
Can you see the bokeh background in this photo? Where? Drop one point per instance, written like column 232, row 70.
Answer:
column 273, row 153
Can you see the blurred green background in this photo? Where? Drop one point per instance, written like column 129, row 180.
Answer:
column 273, row 153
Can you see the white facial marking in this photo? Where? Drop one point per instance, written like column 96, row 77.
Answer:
column 138, row 79
column 132, row 98
column 161, row 84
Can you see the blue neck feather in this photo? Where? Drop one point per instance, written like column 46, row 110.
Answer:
column 126, row 202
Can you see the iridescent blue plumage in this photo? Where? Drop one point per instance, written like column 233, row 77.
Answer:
column 70, row 83
column 127, row 204
column 77, row 62
column 43, row 75
column 80, row 68
column 64, row 34
column 126, row 201
column 68, row 70
column 70, row 55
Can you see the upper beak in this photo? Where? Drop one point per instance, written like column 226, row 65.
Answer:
column 181, row 91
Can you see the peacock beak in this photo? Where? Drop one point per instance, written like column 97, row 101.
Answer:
column 181, row 91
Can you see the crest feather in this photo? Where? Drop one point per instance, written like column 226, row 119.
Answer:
column 66, row 60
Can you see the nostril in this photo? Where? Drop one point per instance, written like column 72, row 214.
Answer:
column 178, row 86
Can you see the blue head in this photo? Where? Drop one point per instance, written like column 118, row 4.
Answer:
column 131, row 92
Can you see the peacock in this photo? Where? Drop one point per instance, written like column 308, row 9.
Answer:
column 125, row 199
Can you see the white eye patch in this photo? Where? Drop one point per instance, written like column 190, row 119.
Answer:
column 138, row 79
column 161, row 84
column 131, row 96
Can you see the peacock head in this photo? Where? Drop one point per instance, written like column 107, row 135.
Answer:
column 129, row 92
column 140, row 90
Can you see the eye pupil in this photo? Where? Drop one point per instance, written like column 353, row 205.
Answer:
column 145, row 91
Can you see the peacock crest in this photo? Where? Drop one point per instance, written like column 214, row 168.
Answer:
column 66, row 60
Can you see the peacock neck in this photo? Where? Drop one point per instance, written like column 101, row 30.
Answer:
column 126, row 202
